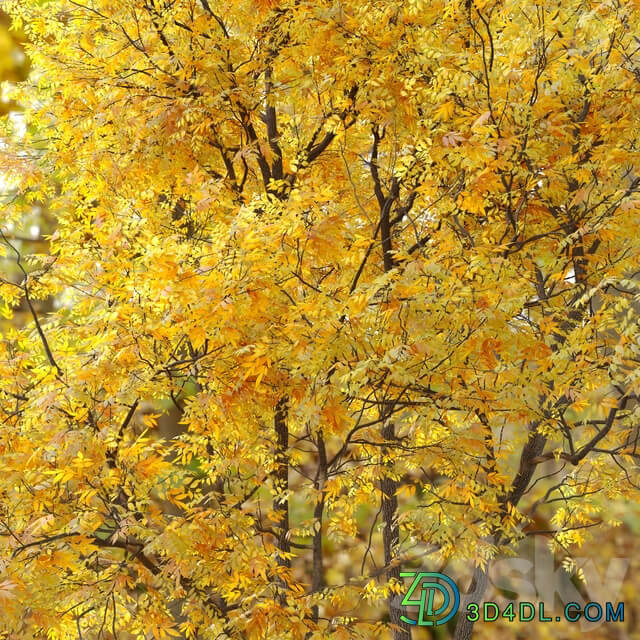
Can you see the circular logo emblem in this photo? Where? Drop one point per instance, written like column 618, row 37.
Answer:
column 436, row 596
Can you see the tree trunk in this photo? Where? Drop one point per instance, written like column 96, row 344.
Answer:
column 281, row 484
column 317, row 574
column 391, row 540
column 464, row 627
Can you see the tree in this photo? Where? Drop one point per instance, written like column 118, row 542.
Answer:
column 381, row 257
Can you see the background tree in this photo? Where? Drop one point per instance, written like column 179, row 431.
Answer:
column 24, row 231
column 358, row 247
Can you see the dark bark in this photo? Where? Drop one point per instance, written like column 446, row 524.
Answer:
column 281, row 484
column 529, row 460
column 391, row 540
column 464, row 628
column 317, row 574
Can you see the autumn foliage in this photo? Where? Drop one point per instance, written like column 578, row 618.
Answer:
column 380, row 258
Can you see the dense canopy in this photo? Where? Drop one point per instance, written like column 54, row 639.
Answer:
column 378, row 257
